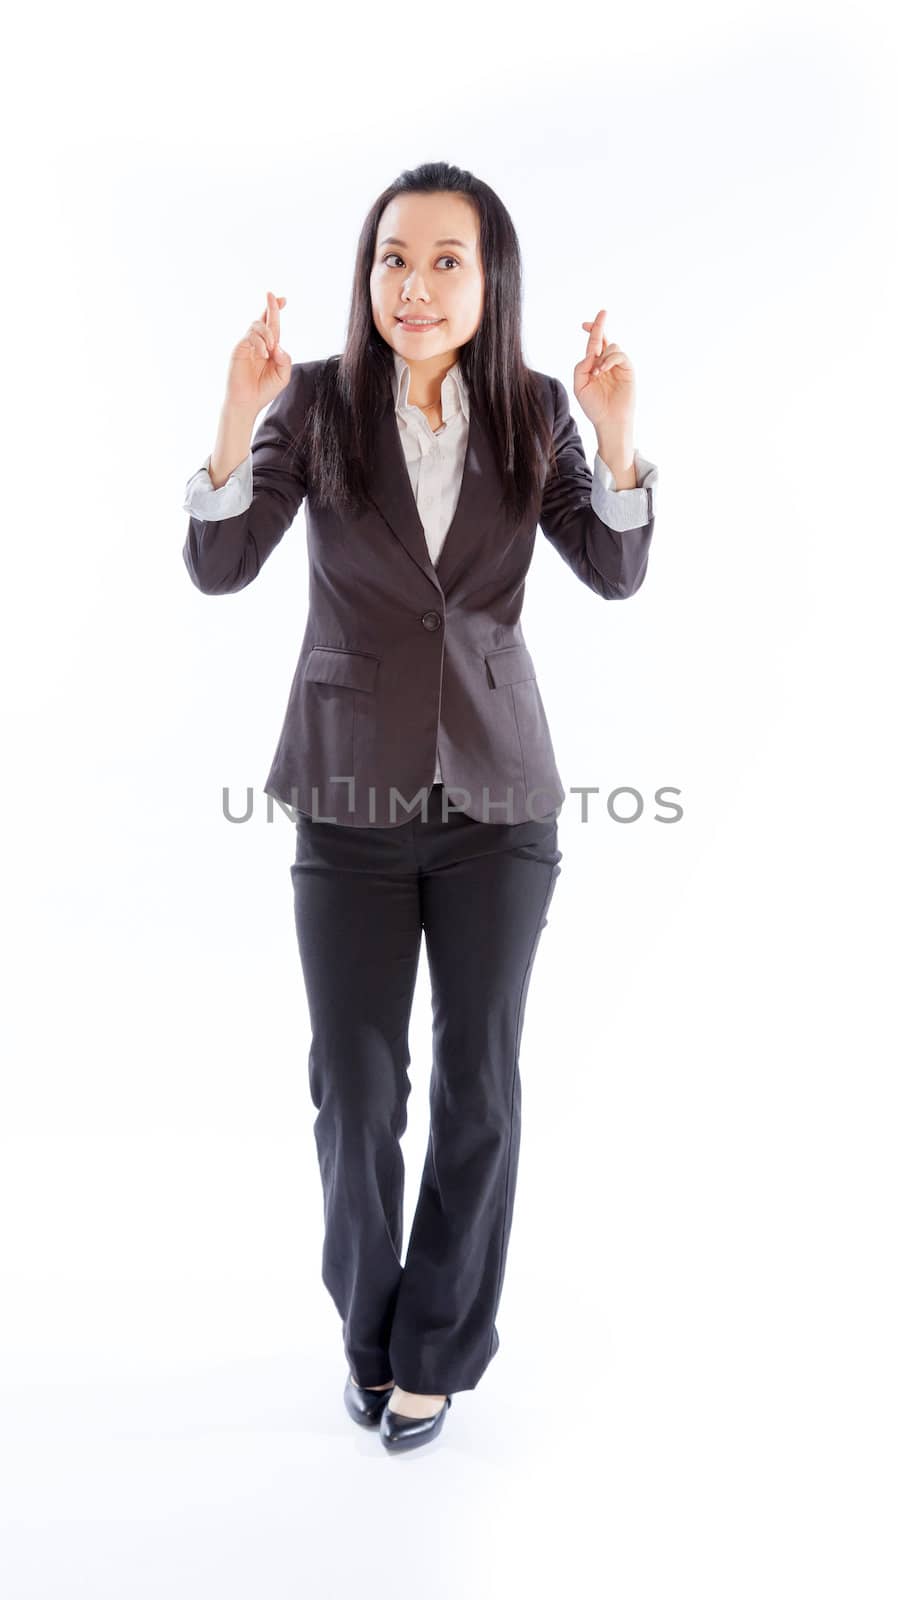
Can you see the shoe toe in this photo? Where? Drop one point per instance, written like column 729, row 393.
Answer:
column 406, row 1433
column 365, row 1406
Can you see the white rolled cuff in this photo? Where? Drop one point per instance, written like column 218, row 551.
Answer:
column 622, row 509
column 209, row 504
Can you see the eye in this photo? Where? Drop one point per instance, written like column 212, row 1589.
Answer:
column 391, row 255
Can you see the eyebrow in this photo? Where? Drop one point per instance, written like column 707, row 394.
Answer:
column 392, row 240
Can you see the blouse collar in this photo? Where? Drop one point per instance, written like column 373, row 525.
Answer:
column 453, row 390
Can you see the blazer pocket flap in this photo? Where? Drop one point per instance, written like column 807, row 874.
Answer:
column 347, row 667
column 511, row 665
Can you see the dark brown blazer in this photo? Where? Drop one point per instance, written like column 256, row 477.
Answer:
column 395, row 647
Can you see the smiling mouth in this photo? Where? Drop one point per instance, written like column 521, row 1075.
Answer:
column 415, row 322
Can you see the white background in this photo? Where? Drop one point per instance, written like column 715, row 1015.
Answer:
column 695, row 1392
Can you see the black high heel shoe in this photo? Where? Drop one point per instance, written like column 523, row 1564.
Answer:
column 365, row 1405
column 406, row 1433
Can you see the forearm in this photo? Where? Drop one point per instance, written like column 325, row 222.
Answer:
column 232, row 444
column 618, row 454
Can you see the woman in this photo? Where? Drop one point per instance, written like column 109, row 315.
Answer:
column 426, row 453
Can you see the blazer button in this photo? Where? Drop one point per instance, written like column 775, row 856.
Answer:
column 431, row 620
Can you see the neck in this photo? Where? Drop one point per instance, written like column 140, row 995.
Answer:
column 425, row 378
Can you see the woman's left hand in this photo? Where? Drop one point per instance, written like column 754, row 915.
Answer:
column 605, row 383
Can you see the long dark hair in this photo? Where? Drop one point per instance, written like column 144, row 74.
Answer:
column 336, row 440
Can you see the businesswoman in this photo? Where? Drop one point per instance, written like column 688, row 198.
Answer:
column 415, row 754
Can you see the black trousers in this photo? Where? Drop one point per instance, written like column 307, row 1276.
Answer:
column 480, row 892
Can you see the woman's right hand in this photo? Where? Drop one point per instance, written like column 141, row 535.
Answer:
column 259, row 368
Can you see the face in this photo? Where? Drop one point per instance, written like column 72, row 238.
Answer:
column 427, row 264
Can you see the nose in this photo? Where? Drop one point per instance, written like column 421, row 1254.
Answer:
column 413, row 281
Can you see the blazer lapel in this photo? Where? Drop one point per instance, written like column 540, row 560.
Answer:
column 478, row 499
